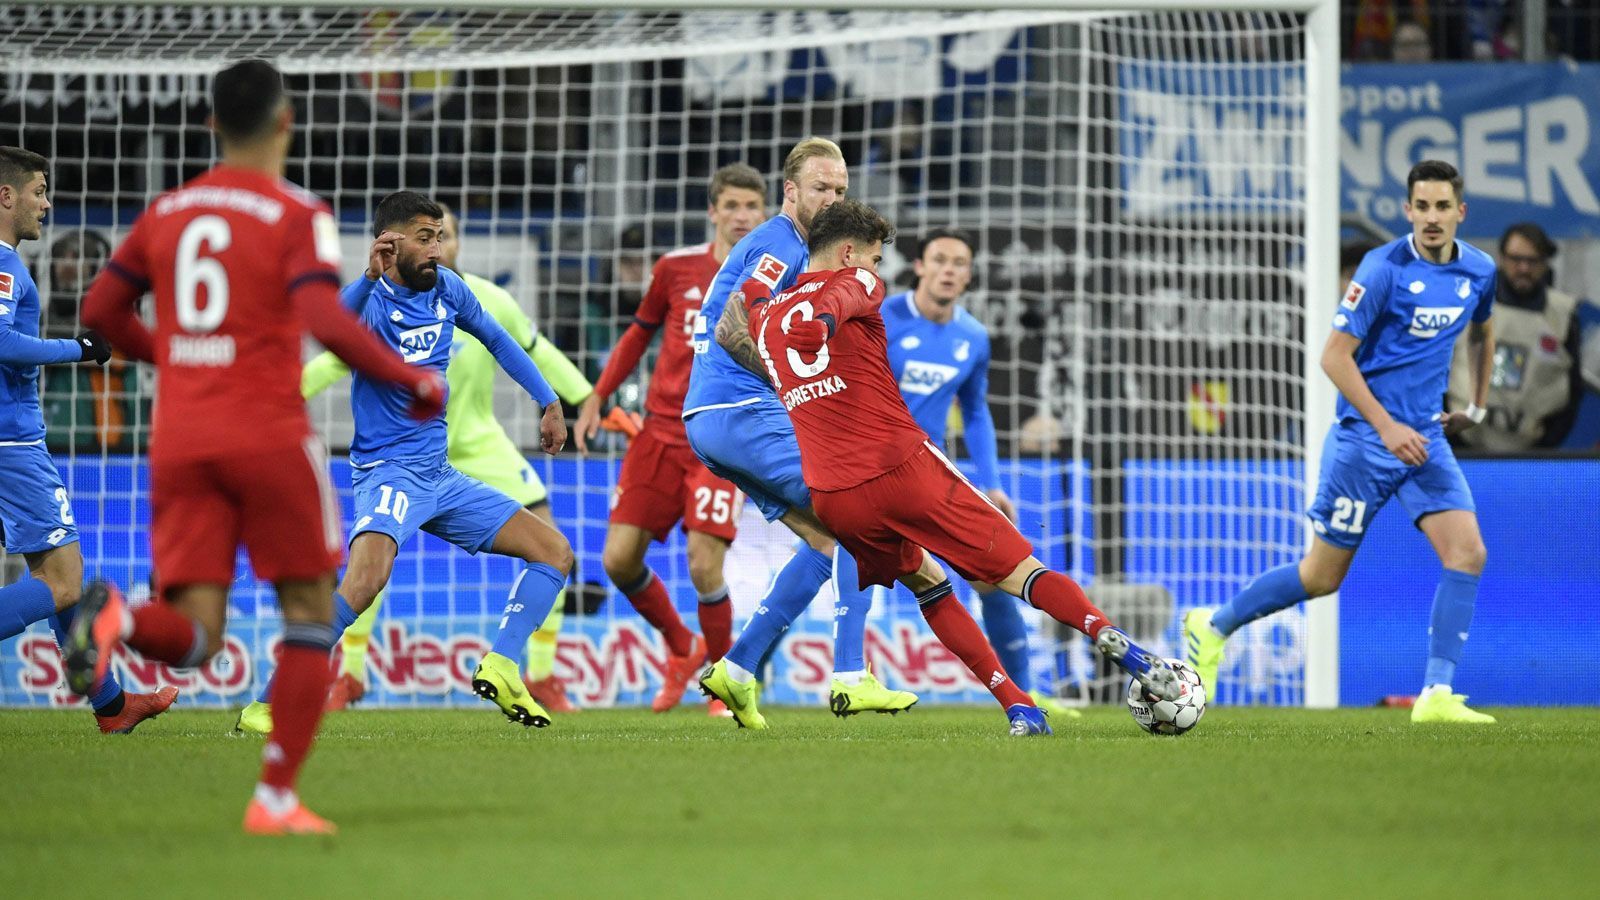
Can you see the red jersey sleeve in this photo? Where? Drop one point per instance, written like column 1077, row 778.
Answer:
column 310, row 248
column 656, row 304
column 849, row 293
column 111, row 305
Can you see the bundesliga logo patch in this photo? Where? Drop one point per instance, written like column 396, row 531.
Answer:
column 6, row 285
column 1352, row 297
column 769, row 269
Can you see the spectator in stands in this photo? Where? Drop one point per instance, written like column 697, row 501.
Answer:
column 1536, row 385
column 1411, row 43
column 99, row 410
column 610, row 305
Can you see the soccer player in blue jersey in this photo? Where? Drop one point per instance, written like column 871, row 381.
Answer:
column 939, row 355
column 741, row 432
column 35, row 512
column 403, row 481
column 1389, row 356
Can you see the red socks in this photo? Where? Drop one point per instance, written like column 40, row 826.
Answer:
column 955, row 628
column 1061, row 597
column 652, row 602
column 163, row 634
column 299, row 692
column 716, row 623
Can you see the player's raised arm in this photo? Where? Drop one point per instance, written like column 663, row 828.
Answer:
column 471, row 318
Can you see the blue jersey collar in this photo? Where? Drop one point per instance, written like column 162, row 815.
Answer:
column 1411, row 244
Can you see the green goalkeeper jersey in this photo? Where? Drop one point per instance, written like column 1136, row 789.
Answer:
column 473, row 432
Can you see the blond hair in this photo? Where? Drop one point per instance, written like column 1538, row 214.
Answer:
column 810, row 148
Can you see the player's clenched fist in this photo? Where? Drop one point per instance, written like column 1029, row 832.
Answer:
column 808, row 336
column 383, row 253
column 553, row 429
column 427, row 395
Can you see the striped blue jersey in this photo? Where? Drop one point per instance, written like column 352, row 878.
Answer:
column 773, row 256
column 22, row 352
column 1407, row 312
column 938, row 365
column 420, row 326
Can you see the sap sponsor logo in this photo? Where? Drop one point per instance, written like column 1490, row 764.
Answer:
column 1353, row 295
column 228, row 674
column 7, row 286
column 1428, row 321
column 769, row 270
column 923, row 378
column 417, row 344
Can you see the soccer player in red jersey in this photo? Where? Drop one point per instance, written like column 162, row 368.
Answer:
column 882, row 487
column 241, row 264
column 662, row 482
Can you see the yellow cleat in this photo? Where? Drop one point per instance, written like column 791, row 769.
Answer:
column 255, row 718
column 741, row 698
column 1054, row 706
column 499, row 679
column 867, row 695
column 1443, row 706
column 1203, row 647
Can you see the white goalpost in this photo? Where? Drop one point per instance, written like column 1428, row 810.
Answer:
column 1151, row 184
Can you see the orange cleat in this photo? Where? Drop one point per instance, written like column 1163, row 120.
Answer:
column 549, row 692
column 260, row 820
column 716, row 709
column 94, row 637
column 135, row 709
column 345, row 691
column 680, row 671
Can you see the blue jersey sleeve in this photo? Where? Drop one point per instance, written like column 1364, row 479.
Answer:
column 21, row 349
column 471, row 318
column 1366, row 297
column 973, row 396
column 1486, row 301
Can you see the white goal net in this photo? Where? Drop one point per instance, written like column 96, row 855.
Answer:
column 1136, row 183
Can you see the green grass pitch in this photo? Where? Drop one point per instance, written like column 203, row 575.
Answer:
column 936, row 803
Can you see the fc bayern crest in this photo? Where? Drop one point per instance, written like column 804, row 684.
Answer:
column 400, row 93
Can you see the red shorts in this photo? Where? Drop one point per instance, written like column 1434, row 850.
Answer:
column 662, row 482
column 923, row 503
column 278, row 503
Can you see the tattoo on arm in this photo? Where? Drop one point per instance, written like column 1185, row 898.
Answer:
column 733, row 333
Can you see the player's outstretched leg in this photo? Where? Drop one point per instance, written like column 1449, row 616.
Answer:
column 741, row 697
column 533, row 594
column 1455, row 537
column 1008, row 634
column 854, row 689
column 115, row 711
column 1063, row 600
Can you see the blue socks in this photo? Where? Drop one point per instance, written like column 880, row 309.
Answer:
column 1277, row 589
column 343, row 617
column 1447, row 630
column 533, row 594
column 1008, row 633
column 850, row 609
column 797, row 582
column 22, row 604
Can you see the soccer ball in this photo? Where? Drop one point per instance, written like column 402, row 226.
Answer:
column 1169, row 716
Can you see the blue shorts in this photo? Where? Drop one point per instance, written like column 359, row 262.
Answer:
column 397, row 499
column 755, row 448
column 1359, row 475
column 35, row 513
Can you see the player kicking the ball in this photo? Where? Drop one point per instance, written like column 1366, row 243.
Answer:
column 882, row 487
column 1389, row 356
column 241, row 264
